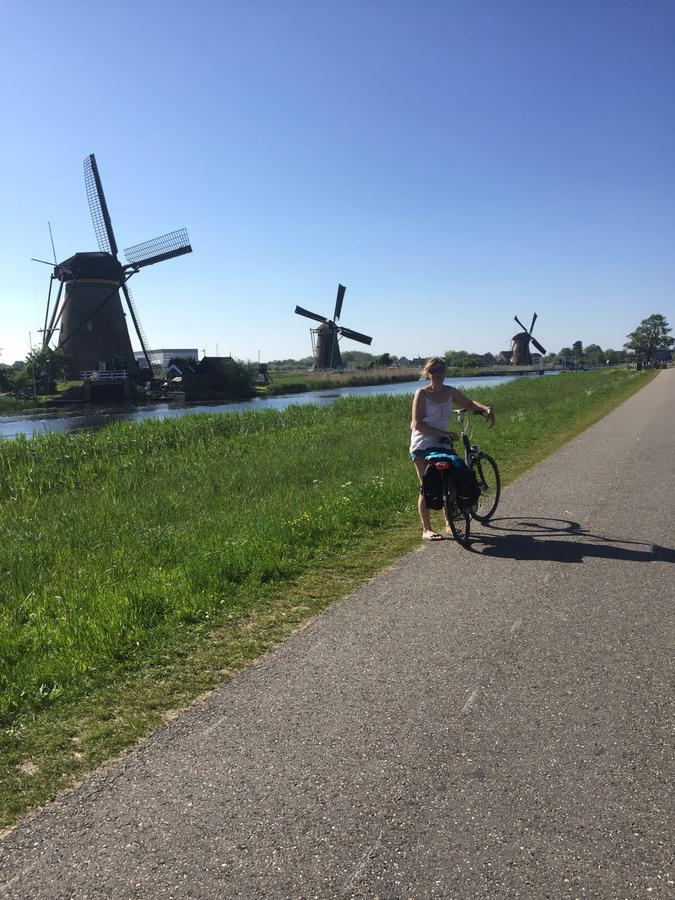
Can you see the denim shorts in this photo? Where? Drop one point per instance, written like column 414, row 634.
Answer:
column 420, row 454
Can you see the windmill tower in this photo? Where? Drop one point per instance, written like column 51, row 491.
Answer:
column 325, row 338
column 88, row 307
column 520, row 344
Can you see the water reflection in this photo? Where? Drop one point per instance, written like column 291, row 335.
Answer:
column 79, row 418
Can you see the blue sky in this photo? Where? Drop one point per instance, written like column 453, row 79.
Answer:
column 452, row 163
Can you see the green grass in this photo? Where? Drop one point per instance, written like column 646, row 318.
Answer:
column 9, row 403
column 144, row 563
column 297, row 382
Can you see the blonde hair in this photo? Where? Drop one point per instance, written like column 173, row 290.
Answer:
column 433, row 363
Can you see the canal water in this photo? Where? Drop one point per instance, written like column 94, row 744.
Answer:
column 78, row 418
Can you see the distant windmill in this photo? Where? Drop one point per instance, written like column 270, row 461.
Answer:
column 93, row 329
column 520, row 344
column 326, row 347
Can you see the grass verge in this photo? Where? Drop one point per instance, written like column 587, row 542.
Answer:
column 298, row 382
column 9, row 403
column 144, row 564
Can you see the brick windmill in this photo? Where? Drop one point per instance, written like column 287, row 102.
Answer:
column 325, row 337
column 88, row 308
column 520, row 344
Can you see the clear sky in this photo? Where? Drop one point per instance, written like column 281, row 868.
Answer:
column 452, row 163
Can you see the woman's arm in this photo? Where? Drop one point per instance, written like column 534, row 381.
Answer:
column 462, row 402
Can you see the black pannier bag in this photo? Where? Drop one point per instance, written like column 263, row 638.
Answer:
column 466, row 484
column 463, row 479
column 432, row 487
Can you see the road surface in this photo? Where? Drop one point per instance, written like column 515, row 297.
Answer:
column 486, row 724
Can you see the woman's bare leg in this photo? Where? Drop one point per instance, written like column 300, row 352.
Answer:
column 427, row 531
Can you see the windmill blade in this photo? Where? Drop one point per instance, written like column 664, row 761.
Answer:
column 355, row 336
column 520, row 323
column 49, row 333
column 49, row 297
column 166, row 246
column 534, row 319
column 137, row 323
column 310, row 315
column 44, row 261
column 538, row 346
column 338, row 301
column 56, row 317
column 98, row 207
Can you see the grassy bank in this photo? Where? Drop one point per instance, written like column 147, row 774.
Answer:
column 298, row 382
column 144, row 563
column 9, row 403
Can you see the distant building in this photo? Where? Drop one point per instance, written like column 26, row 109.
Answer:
column 160, row 358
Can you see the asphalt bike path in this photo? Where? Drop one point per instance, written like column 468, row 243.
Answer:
column 487, row 723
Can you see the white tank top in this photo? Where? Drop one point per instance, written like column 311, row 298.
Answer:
column 437, row 415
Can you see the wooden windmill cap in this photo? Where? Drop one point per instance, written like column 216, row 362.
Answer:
column 90, row 265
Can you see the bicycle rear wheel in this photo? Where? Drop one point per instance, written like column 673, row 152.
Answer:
column 485, row 469
column 460, row 523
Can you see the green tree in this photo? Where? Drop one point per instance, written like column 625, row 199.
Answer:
column 652, row 334
column 456, row 358
column 184, row 360
column 356, row 359
column 461, row 359
column 41, row 369
column 593, row 354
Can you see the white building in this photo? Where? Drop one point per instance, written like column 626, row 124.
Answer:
column 160, row 358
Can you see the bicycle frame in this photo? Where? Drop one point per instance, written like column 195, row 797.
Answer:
column 470, row 450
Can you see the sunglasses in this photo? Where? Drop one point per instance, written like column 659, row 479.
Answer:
column 436, row 371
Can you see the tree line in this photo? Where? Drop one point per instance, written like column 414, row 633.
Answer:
column 650, row 338
column 650, row 342
column 647, row 343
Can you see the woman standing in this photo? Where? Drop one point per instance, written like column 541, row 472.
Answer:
column 431, row 412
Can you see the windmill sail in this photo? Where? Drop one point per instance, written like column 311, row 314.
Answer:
column 355, row 336
column 166, row 246
column 338, row 301
column 98, row 207
column 137, row 323
column 310, row 315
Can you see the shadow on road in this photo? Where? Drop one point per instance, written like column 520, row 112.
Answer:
column 559, row 540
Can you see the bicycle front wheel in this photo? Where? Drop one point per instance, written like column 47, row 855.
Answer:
column 485, row 469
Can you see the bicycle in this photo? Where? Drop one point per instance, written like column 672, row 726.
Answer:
column 485, row 469
column 487, row 477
